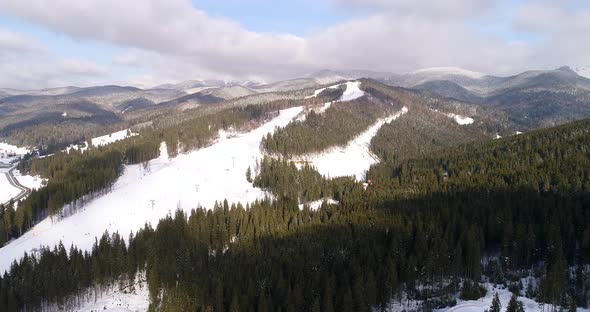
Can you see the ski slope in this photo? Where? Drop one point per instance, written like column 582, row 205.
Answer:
column 147, row 194
column 352, row 91
column 112, row 137
column 354, row 159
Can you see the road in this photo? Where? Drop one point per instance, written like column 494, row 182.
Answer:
column 24, row 191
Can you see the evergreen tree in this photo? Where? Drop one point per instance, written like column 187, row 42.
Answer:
column 496, row 305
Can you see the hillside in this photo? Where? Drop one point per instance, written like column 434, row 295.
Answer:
column 531, row 99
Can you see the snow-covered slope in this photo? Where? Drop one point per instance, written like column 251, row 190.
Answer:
column 583, row 71
column 147, row 194
column 504, row 294
column 114, row 300
column 111, row 138
column 352, row 91
column 354, row 159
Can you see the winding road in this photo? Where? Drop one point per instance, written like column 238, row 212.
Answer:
column 24, row 191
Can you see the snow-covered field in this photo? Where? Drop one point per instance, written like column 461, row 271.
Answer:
column 504, row 294
column 32, row 182
column 111, row 138
column 6, row 148
column 115, row 300
column 147, row 194
column 354, row 158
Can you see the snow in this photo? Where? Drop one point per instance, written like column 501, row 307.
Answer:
column 484, row 303
column 461, row 120
column 7, row 191
column 353, row 159
column 76, row 147
column 583, row 71
column 32, row 182
column 115, row 300
column 111, row 138
column 10, row 154
column 148, row 193
column 450, row 71
column 316, row 204
column 352, row 91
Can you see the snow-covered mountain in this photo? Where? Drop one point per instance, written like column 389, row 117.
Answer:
column 583, row 71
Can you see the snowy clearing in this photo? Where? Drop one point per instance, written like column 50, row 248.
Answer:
column 111, row 138
column 32, row 182
column 316, row 204
column 461, row 120
column 485, row 302
column 115, row 300
column 78, row 148
column 148, row 193
column 354, row 158
column 6, row 149
column 10, row 154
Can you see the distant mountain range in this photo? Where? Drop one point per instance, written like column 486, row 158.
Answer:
column 531, row 99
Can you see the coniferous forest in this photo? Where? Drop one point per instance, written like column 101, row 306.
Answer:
column 521, row 203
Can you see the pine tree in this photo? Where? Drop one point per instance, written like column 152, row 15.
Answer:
column 513, row 304
column 249, row 174
column 496, row 305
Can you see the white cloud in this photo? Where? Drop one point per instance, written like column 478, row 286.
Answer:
column 12, row 42
column 564, row 32
column 167, row 40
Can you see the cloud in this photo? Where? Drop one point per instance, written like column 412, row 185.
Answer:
column 13, row 42
column 169, row 27
column 168, row 40
column 433, row 9
column 563, row 32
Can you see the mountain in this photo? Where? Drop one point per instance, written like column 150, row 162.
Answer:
column 537, row 98
column 193, row 86
column 583, row 71
column 228, row 93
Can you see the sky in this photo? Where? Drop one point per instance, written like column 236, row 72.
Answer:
column 144, row 43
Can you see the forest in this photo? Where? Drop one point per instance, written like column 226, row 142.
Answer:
column 520, row 202
column 340, row 123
